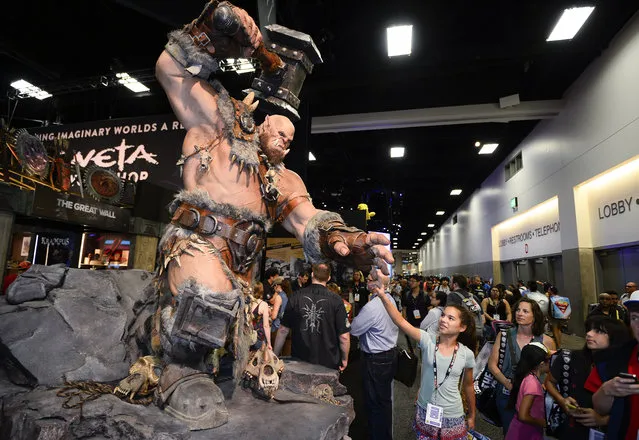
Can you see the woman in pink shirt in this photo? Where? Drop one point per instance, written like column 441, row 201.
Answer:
column 527, row 395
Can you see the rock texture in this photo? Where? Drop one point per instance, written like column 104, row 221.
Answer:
column 78, row 331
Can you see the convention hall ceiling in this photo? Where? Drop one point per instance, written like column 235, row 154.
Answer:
column 463, row 53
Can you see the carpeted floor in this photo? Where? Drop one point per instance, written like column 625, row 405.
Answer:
column 404, row 399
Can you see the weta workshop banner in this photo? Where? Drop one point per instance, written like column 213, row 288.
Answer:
column 137, row 149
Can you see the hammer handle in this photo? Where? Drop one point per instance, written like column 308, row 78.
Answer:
column 271, row 63
column 227, row 22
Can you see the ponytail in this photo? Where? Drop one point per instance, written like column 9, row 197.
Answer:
column 469, row 336
column 531, row 357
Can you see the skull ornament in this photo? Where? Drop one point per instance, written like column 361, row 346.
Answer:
column 262, row 374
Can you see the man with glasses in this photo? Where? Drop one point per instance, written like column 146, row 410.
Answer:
column 630, row 287
column 377, row 337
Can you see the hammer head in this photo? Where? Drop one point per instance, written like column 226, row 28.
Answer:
column 279, row 93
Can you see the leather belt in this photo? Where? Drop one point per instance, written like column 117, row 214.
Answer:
column 205, row 222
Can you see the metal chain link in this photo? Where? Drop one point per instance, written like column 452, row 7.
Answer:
column 85, row 391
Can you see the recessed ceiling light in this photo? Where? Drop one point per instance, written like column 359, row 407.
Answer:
column 488, row 148
column 398, row 40
column 440, row 213
column 26, row 89
column 424, row 233
column 455, row 192
column 419, row 239
column 397, row 152
column 311, row 157
column 131, row 83
column 571, row 20
column 478, row 144
column 431, row 225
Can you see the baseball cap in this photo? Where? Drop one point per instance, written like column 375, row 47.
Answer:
column 633, row 301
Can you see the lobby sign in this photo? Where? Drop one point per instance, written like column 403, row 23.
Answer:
column 72, row 209
column 145, row 148
column 611, row 203
column 534, row 233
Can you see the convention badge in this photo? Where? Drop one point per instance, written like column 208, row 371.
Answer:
column 434, row 415
column 496, row 316
column 357, row 297
column 593, row 434
column 416, row 314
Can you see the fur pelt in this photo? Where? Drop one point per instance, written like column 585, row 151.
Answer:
column 312, row 249
column 195, row 60
column 246, row 151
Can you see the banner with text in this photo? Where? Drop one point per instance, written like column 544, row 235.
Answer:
column 73, row 209
column 137, row 149
column 608, row 207
column 533, row 233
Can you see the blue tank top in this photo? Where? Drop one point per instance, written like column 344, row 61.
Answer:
column 508, row 365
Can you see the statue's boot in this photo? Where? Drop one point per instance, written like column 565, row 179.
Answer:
column 191, row 397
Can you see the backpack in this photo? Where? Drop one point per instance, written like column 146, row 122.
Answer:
column 560, row 307
column 474, row 308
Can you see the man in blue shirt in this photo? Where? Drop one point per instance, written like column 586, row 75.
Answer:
column 377, row 338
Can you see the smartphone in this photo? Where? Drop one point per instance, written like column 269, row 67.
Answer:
column 628, row 376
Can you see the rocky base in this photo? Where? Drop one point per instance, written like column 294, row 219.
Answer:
column 79, row 331
column 38, row 414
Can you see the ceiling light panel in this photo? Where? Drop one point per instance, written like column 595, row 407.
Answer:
column 399, row 40
column 455, row 192
column 396, row 152
column 311, row 157
column 431, row 225
column 488, row 148
column 26, row 89
column 131, row 83
column 424, row 233
column 440, row 213
column 571, row 20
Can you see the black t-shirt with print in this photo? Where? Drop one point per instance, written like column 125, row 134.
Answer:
column 316, row 317
column 420, row 303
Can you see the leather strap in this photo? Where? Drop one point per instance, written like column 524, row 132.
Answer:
column 290, row 205
column 205, row 222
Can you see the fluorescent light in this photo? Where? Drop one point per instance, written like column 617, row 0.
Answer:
column 311, row 157
column 440, row 213
column 431, row 225
column 488, row 148
column 478, row 144
column 28, row 90
column 571, row 20
column 398, row 39
column 419, row 239
column 131, row 83
column 424, row 233
column 455, row 192
column 397, row 152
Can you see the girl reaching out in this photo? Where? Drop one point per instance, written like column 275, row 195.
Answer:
column 446, row 360
column 527, row 395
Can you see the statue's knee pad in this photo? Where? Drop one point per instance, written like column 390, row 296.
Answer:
column 201, row 319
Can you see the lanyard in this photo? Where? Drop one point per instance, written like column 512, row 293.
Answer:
column 450, row 367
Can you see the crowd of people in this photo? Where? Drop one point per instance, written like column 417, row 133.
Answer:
column 538, row 387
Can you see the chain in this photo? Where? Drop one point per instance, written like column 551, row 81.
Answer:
column 86, row 391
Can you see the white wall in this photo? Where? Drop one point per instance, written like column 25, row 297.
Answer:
column 598, row 129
